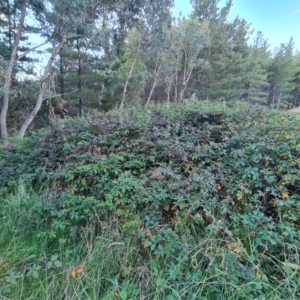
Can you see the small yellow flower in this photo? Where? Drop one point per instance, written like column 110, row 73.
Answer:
column 284, row 195
column 258, row 275
column 239, row 197
column 181, row 207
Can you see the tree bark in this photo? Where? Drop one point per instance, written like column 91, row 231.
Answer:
column 151, row 92
column 169, row 90
column 129, row 75
column 8, row 75
column 176, row 83
column 46, row 75
column 79, row 79
column 61, row 78
column 279, row 99
column 273, row 99
column 182, row 90
column 134, row 61
column 156, row 73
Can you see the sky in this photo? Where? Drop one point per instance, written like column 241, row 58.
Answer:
column 278, row 20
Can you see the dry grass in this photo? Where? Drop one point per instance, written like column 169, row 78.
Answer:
column 295, row 110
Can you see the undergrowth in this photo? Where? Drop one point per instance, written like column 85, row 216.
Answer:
column 194, row 201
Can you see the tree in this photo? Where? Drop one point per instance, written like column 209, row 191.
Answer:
column 67, row 18
column 280, row 75
column 8, row 73
column 192, row 38
column 19, row 10
column 296, row 81
column 233, row 70
column 154, row 14
column 215, row 54
column 256, row 82
column 79, row 79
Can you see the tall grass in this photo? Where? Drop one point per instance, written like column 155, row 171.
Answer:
column 116, row 264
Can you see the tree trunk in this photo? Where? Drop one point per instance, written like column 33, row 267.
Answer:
column 156, row 73
column 182, row 90
column 61, row 79
column 151, row 91
column 100, row 94
column 79, row 79
column 134, row 61
column 129, row 75
column 273, row 100
column 46, row 75
column 8, row 74
column 176, row 87
column 169, row 90
column 279, row 99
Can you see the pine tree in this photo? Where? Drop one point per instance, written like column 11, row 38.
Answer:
column 280, row 76
column 296, row 81
column 257, row 85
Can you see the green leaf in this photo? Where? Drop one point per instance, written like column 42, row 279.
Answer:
column 124, row 295
column 54, row 257
column 35, row 274
column 148, row 243
column 58, row 264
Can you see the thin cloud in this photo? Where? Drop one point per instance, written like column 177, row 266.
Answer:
column 295, row 13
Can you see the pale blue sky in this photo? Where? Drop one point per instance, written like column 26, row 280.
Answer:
column 278, row 20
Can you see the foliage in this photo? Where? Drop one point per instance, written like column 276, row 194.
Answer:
column 171, row 203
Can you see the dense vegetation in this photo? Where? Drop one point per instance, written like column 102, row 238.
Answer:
column 128, row 185
column 189, row 201
column 102, row 54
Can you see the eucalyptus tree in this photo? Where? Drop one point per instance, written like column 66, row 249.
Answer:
column 192, row 38
column 147, row 79
column 155, row 54
column 154, row 15
column 174, row 57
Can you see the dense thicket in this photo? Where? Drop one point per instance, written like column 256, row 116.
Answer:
column 162, row 202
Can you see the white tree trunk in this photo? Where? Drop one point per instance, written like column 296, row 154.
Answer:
column 46, row 75
column 8, row 74
column 129, row 75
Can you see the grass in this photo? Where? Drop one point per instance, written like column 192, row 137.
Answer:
column 116, row 265
column 87, row 233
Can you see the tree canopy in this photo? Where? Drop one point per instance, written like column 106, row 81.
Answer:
column 105, row 54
